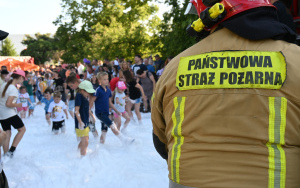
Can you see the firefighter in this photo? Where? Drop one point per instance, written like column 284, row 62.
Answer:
column 226, row 111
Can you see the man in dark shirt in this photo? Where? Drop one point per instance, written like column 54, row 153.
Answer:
column 61, row 72
column 138, row 64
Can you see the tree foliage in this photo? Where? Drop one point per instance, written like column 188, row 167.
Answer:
column 105, row 28
column 173, row 33
column 8, row 48
column 42, row 47
column 108, row 28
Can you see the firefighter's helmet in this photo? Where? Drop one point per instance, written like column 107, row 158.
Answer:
column 213, row 12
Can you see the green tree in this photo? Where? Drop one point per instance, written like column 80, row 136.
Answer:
column 173, row 33
column 42, row 47
column 104, row 29
column 8, row 48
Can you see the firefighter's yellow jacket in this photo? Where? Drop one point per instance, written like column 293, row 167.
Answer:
column 237, row 125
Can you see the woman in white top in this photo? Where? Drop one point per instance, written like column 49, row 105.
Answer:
column 8, row 114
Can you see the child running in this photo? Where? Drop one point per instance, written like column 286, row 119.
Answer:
column 56, row 110
column 120, row 105
column 73, row 82
column 24, row 99
column 102, row 99
column 47, row 99
column 82, row 114
column 135, row 93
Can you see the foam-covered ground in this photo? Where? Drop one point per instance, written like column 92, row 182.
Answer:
column 45, row 160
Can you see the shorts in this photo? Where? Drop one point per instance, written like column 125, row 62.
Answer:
column 22, row 109
column 106, row 122
column 117, row 115
column 56, row 125
column 15, row 121
column 82, row 133
column 31, row 107
column 104, row 128
column 71, row 105
column 135, row 101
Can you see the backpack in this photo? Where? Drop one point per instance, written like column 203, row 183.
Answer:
column 154, row 75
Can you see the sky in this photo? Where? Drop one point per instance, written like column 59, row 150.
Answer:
column 29, row 16
column 32, row 16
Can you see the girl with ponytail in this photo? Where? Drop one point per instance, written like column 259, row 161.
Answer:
column 8, row 115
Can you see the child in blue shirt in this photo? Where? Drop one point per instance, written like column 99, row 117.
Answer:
column 47, row 99
column 103, row 102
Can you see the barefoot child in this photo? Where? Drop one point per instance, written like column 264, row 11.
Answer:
column 73, row 82
column 102, row 99
column 56, row 110
column 135, row 93
column 24, row 99
column 120, row 105
column 82, row 114
column 47, row 99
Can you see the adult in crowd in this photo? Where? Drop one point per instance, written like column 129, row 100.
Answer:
column 89, row 72
column 52, row 67
column 124, row 66
column 108, row 69
column 233, row 122
column 106, row 61
column 29, row 82
column 116, row 61
column 61, row 71
column 99, row 69
column 148, row 82
column 160, row 71
column 59, row 85
column 149, row 66
column 73, row 69
column 158, row 63
column 8, row 114
column 68, row 70
column 138, row 64
column 80, row 67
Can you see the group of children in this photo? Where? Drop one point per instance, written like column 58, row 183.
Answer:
column 86, row 97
